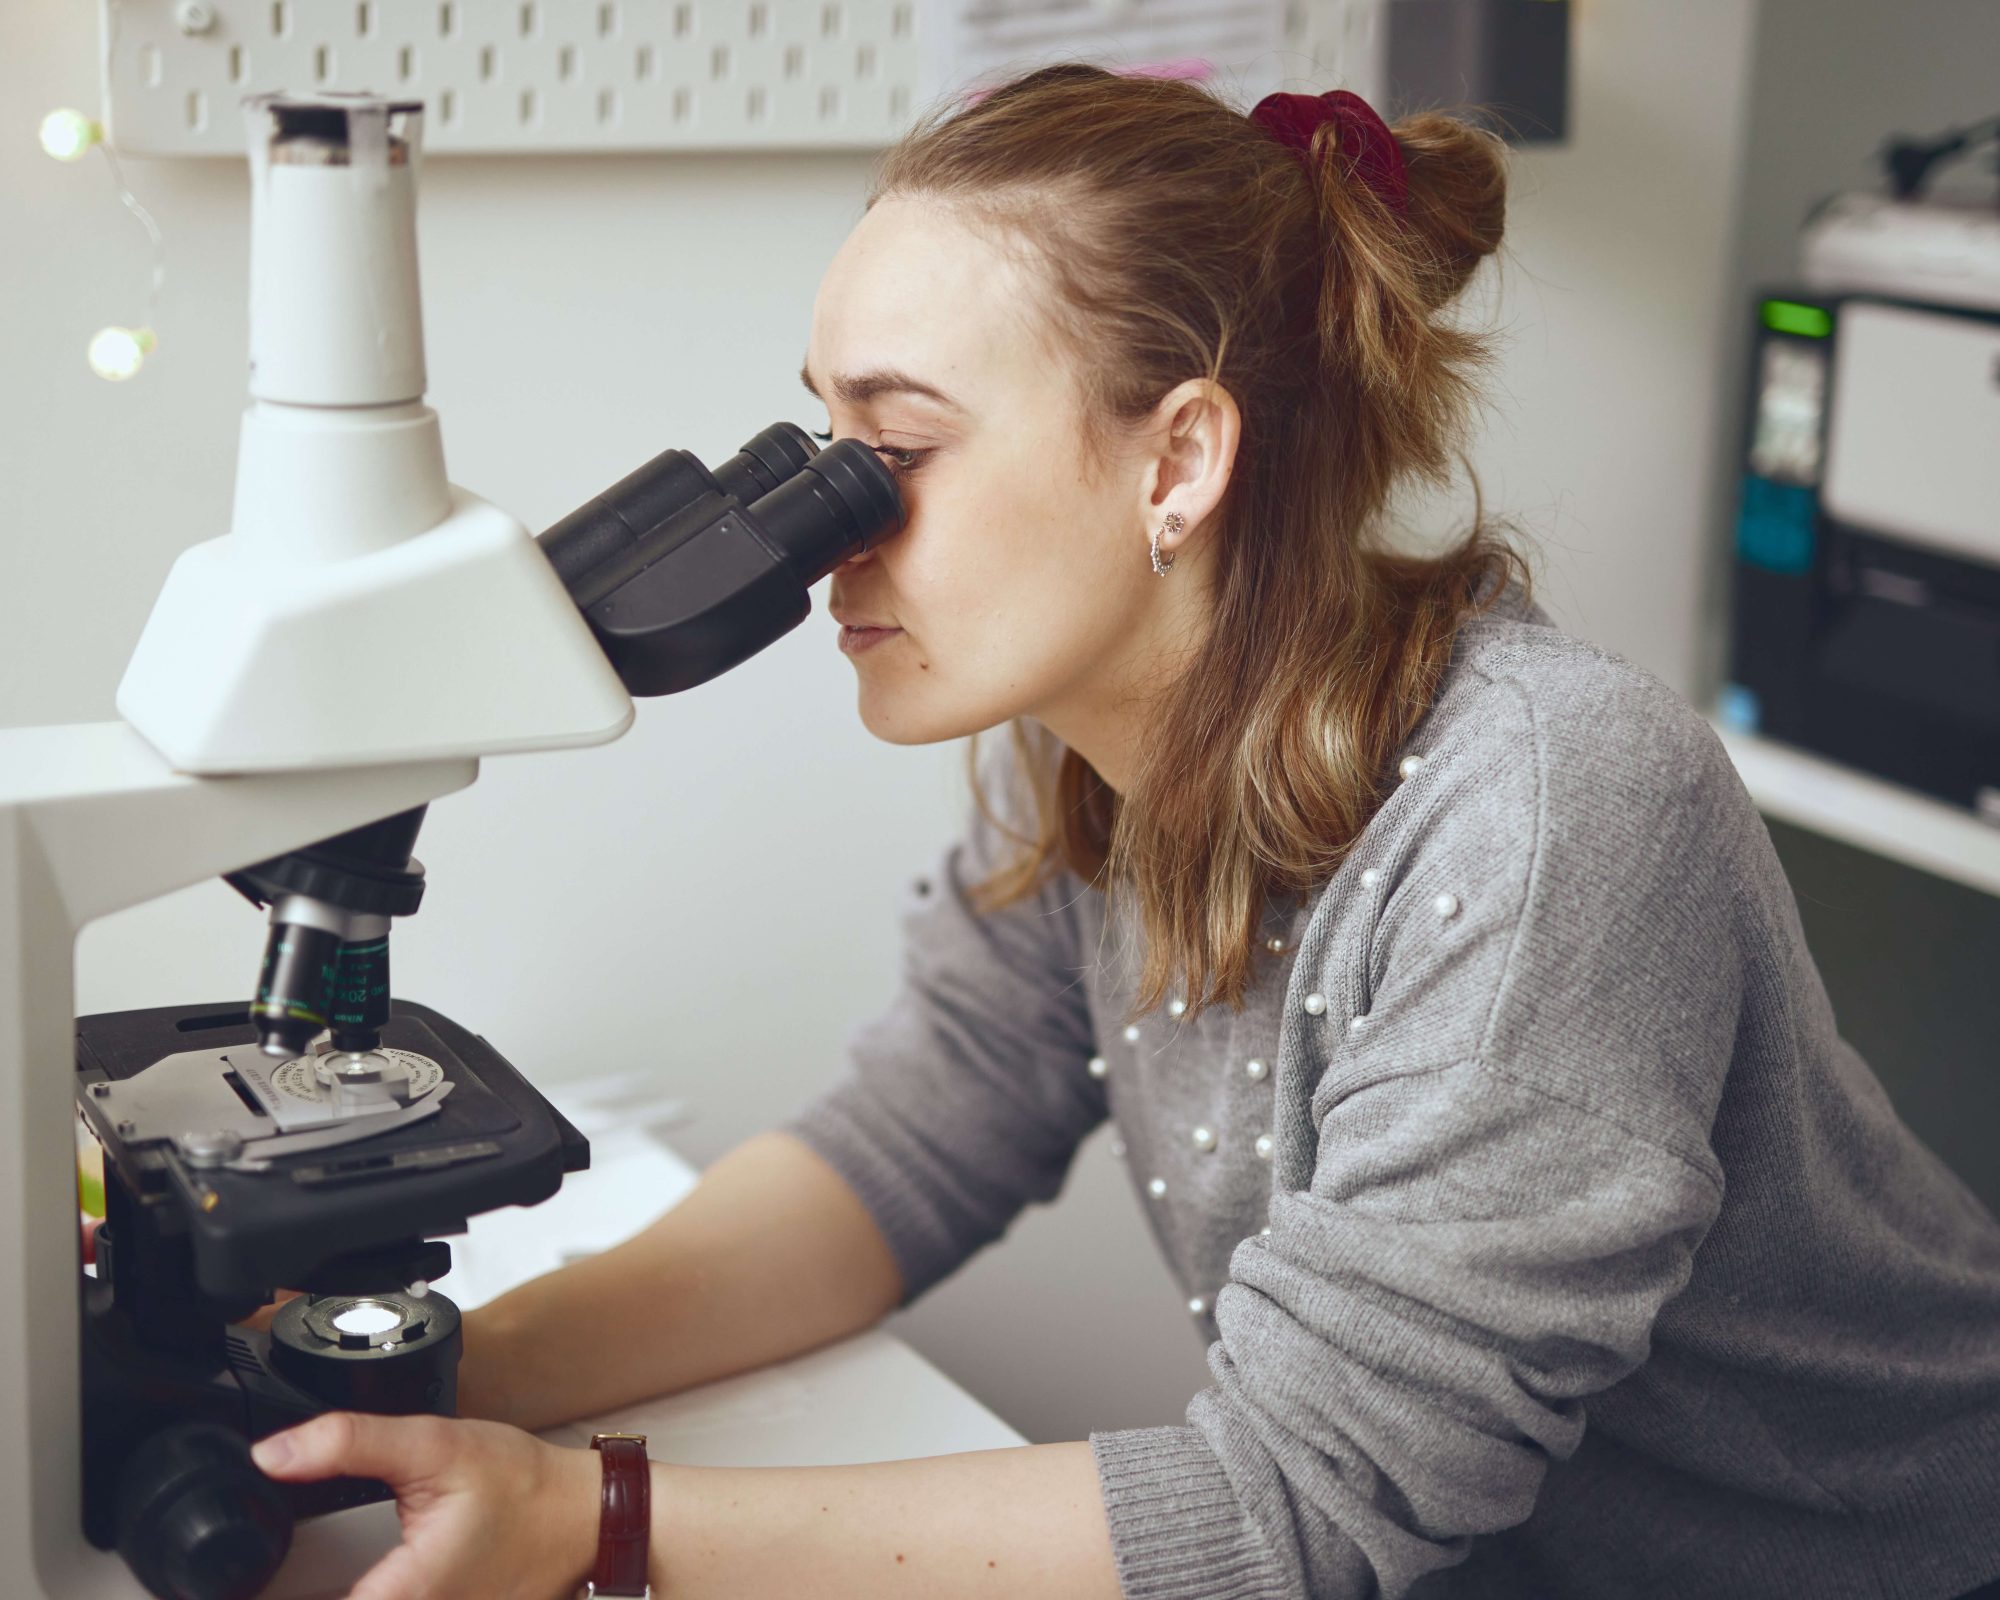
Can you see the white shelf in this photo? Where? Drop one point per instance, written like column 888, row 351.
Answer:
column 501, row 77
column 1867, row 812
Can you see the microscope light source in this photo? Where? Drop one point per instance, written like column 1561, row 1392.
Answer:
column 116, row 353
column 68, row 135
column 367, row 1316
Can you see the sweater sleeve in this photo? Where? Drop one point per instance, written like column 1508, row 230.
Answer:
column 1504, row 1175
column 967, row 1097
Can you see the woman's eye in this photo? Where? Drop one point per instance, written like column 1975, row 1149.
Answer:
column 899, row 460
column 902, row 460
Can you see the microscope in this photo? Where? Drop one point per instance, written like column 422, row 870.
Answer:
column 304, row 688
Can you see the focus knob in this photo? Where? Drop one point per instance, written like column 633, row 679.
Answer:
column 196, row 1519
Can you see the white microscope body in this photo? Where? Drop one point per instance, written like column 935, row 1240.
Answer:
column 364, row 633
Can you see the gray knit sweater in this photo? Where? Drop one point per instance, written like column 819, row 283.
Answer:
column 1548, row 1239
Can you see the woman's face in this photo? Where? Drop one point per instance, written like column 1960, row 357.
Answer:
column 1020, row 585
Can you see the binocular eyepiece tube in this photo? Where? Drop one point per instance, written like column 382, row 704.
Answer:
column 683, row 573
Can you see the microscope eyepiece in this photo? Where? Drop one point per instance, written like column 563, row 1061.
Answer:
column 614, row 524
column 840, row 503
column 682, row 573
column 765, row 462
column 642, row 503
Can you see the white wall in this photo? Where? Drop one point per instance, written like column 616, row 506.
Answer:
column 712, row 896
column 1611, row 300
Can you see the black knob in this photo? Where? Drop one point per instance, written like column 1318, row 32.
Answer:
column 196, row 1519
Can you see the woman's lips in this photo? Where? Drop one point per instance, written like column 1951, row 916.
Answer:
column 855, row 640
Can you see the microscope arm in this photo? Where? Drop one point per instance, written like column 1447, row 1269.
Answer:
column 680, row 574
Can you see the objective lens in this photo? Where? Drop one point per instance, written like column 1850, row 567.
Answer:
column 360, row 997
column 293, row 988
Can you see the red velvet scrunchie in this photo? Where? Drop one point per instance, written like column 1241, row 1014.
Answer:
column 1364, row 138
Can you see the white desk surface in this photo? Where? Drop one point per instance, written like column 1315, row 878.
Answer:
column 1857, row 808
column 868, row 1398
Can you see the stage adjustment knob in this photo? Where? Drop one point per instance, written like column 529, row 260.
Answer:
column 196, row 1519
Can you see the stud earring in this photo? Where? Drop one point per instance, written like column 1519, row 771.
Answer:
column 1174, row 524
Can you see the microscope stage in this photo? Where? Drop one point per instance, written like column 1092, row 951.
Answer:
column 471, row 1136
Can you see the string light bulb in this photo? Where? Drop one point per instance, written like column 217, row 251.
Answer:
column 117, row 353
column 68, row 135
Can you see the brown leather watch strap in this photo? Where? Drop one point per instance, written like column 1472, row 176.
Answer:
column 625, row 1523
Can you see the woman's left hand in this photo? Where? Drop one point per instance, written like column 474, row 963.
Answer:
column 486, row 1509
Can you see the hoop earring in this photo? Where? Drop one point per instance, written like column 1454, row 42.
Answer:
column 1174, row 524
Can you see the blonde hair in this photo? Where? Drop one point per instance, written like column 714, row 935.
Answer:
column 1177, row 238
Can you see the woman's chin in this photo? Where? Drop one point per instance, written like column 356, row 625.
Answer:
column 896, row 719
column 893, row 724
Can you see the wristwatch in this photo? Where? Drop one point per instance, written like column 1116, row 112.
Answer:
column 625, row 1522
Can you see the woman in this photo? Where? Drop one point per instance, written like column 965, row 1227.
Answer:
column 1435, row 967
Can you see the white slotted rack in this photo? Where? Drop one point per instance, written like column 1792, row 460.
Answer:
column 522, row 76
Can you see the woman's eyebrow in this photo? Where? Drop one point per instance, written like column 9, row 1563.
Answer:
column 859, row 388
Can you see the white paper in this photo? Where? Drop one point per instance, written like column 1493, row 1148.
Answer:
column 1237, row 46
column 632, row 1179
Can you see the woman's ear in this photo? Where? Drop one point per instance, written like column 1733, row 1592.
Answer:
column 1190, row 452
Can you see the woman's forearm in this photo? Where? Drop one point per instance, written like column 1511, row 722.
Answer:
column 771, row 1254
column 991, row 1524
